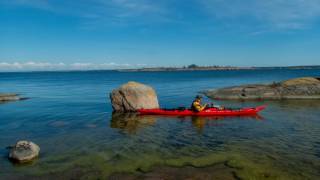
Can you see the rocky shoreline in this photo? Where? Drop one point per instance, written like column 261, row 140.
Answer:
column 213, row 68
column 4, row 97
column 298, row 88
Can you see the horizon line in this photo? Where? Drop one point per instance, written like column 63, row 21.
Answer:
column 200, row 67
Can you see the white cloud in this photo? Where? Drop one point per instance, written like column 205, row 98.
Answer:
column 101, row 11
column 141, row 6
column 30, row 66
column 270, row 14
column 257, row 15
column 43, row 4
column 46, row 66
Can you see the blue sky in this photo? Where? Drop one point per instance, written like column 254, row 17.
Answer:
column 103, row 34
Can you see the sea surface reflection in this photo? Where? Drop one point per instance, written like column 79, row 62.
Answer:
column 133, row 122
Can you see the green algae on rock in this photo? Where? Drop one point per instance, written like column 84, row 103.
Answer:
column 233, row 163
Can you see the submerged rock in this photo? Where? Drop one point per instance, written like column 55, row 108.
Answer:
column 217, row 171
column 133, row 96
column 9, row 97
column 299, row 88
column 24, row 151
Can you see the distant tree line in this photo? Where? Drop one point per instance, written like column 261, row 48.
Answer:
column 194, row 66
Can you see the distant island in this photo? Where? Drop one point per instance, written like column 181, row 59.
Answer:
column 194, row 67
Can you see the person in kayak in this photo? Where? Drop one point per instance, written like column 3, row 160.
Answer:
column 196, row 104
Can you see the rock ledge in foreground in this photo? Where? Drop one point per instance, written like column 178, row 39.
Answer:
column 299, row 88
column 133, row 96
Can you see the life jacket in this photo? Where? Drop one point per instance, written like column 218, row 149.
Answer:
column 196, row 106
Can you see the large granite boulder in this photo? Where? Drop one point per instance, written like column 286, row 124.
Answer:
column 133, row 96
column 24, row 151
column 299, row 88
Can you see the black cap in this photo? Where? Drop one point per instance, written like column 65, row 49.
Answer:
column 198, row 97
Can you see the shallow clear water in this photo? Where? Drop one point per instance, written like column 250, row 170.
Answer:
column 69, row 115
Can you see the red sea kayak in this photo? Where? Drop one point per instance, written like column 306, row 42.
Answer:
column 206, row 112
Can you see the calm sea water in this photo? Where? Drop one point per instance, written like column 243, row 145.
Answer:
column 69, row 115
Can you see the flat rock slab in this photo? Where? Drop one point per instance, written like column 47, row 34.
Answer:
column 299, row 88
column 9, row 97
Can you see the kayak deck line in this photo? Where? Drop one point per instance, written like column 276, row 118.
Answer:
column 207, row 112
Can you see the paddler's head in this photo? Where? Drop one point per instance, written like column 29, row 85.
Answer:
column 198, row 98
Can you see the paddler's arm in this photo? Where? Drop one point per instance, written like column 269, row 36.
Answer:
column 198, row 106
